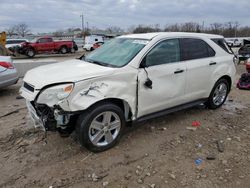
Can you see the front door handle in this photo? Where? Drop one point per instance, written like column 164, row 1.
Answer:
column 212, row 63
column 178, row 71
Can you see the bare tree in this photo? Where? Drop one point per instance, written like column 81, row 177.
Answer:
column 114, row 29
column 216, row 28
column 58, row 33
column 146, row 29
column 172, row 28
column 131, row 29
column 11, row 30
column 22, row 29
column 190, row 27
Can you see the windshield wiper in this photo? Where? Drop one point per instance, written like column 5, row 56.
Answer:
column 99, row 63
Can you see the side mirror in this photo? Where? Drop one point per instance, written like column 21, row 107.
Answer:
column 143, row 63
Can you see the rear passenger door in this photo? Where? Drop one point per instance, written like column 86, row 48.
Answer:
column 201, row 63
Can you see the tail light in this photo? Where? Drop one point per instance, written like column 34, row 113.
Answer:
column 248, row 66
column 6, row 65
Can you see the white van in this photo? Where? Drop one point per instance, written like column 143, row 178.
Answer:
column 91, row 40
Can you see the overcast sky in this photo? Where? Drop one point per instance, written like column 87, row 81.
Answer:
column 51, row 15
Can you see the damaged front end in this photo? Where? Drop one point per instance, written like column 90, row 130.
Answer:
column 46, row 111
column 55, row 118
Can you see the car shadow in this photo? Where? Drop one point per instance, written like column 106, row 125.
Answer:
column 170, row 118
column 10, row 90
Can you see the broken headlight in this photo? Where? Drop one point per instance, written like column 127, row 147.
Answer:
column 58, row 92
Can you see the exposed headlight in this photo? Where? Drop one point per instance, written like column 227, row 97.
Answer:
column 58, row 92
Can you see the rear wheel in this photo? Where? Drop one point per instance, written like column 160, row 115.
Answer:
column 218, row 94
column 63, row 50
column 101, row 127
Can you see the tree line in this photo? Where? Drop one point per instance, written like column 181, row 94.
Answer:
column 228, row 29
column 21, row 29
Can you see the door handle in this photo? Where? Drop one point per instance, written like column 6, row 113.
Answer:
column 212, row 63
column 178, row 71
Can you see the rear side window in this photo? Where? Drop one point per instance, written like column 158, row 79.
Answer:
column 44, row 40
column 195, row 49
column 222, row 43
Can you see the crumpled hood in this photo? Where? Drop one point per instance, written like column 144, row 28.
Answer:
column 68, row 71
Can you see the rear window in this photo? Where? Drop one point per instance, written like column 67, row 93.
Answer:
column 195, row 49
column 222, row 43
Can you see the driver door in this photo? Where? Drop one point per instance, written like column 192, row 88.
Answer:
column 164, row 68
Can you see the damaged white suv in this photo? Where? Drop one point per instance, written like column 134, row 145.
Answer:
column 129, row 79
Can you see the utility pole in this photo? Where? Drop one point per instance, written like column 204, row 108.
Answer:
column 87, row 26
column 236, row 27
column 82, row 16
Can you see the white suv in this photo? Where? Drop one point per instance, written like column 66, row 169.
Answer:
column 129, row 79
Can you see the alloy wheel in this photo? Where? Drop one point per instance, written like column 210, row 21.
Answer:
column 220, row 94
column 104, row 128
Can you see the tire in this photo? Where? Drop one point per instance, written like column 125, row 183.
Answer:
column 63, row 50
column 218, row 94
column 72, row 51
column 102, row 135
column 30, row 52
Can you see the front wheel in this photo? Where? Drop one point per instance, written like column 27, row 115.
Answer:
column 101, row 127
column 30, row 52
column 218, row 94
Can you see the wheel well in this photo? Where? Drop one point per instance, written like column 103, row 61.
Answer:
column 31, row 48
column 228, row 78
column 118, row 102
column 63, row 46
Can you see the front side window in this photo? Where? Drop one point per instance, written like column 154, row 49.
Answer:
column 195, row 49
column 116, row 52
column 167, row 51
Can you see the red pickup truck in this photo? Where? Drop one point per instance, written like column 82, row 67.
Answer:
column 46, row 45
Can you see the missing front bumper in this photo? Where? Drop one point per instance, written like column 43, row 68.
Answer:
column 37, row 121
column 49, row 119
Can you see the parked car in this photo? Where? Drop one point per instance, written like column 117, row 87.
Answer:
column 131, row 78
column 8, row 73
column 91, row 40
column 75, row 47
column 233, row 42
column 97, row 45
column 45, row 45
column 244, row 51
column 10, row 43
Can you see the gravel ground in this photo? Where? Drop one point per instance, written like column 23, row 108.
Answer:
column 159, row 153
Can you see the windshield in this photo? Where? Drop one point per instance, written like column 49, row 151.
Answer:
column 116, row 52
column 33, row 40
